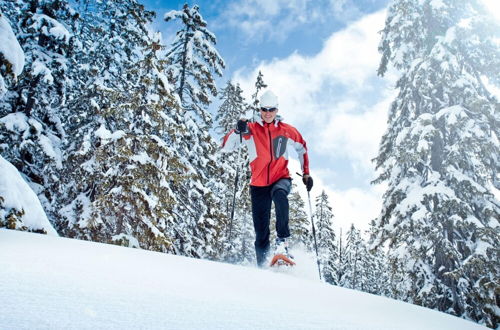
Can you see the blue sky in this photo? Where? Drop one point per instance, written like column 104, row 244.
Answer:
column 249, row 31
column 320, row 58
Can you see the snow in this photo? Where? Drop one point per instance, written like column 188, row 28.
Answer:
column 106, row 135
column 142, row 158
column 58, row 31
column 482, row 247
column 164, row 80
column 9, row 46
column 3, row 88
column 461, row 177
column 450, row 36
column 170, row 15
column 437, row 4
column 15, row 122
column 416, row 193
column 48, row 149
column 68, row 212
column 40, row 68
column 94, row 104
column 17, row 194
column 54, row 28
column 492, row 88
column 132, row 241
column 453, row 114
column 59, row 283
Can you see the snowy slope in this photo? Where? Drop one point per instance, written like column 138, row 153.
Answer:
column 59, row 283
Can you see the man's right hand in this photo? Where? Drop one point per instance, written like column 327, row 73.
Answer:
column 241, row 126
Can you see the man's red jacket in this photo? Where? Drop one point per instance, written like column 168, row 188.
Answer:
column 268, row 146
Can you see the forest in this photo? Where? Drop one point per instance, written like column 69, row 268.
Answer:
column 111, row 129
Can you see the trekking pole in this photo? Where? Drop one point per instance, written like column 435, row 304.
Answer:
column 314, row 234
column 235, row 189
column 314, row 231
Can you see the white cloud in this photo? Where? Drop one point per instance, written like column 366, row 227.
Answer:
column 335, row 95
column 493, row 7
column 355, row 206
column 350, row 206
column 340, row 106
column 263, row 19
column 275, row 20
column 355, row 136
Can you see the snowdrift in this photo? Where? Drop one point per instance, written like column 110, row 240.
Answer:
column 18, row 195
column 59, row 283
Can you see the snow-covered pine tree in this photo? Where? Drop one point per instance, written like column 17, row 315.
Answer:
column 395, row 277
column 326, row 238
column 11, row 65
column 352, row 267
column 299, row 223
column 32, row 111
column 120, row 164
column 259, row 84
column 231, row 109
column 376, row 273
column 439, row 156
column 343, row 264
column 239, row 245
column 192, row 58
column 361, row 268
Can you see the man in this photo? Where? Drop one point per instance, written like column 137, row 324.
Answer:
column 268, row 140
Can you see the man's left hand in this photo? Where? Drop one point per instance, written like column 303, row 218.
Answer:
column 308, row 181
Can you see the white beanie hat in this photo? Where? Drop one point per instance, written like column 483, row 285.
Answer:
column 268, row 100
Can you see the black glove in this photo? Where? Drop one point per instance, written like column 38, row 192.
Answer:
column 308, row 181
column 241, row 126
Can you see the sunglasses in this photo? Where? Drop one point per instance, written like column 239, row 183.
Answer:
column 272, row 109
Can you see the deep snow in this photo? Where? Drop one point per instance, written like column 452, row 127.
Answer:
column 60, row 283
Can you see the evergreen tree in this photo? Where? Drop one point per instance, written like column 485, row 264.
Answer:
column 239, row 245
column 362, row 269
column 341, row 260
column 299, row 223
column 231, row 109
column 376, row 274
column 355, row 250
column 259, row 84
column 32, row 111
column 191, row 51
column 120, row 164
column 11, row 66
column 190, row 61
column 379, row 275
column 327, row 249
column 439, row 156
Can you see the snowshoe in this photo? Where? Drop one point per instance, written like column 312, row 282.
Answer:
column 282, row 260
column 281, row 255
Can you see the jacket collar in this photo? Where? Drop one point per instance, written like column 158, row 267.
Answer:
column 258, row 119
